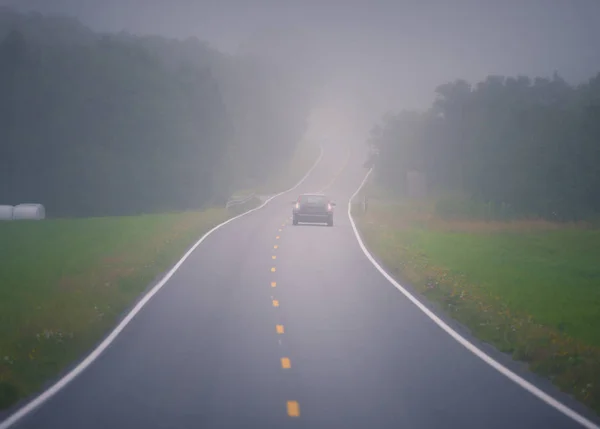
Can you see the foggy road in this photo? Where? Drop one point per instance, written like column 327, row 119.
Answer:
column 269, row 325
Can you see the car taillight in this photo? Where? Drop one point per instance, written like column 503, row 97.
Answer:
column 329, row 208
column 297, row 205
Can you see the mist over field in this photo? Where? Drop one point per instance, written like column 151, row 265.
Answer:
column 137, row 103
column 141, row 125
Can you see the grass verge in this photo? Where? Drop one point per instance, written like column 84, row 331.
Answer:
column 65, row 283
column 528, row 287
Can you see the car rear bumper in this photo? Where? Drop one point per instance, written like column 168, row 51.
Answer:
column 313, row 217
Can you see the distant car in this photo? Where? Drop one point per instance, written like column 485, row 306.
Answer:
column 313, row 208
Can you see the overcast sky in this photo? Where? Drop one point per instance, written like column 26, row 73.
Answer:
column 395, row 50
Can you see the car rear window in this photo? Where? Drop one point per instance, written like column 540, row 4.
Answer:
column 313, row 199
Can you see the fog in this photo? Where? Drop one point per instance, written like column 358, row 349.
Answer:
column 386, row 54
column 472, row 127
column 281, row 69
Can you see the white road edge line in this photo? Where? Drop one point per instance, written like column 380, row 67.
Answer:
column 67, row 378
column 463, row 341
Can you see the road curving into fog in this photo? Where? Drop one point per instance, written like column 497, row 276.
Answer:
column 270, row 325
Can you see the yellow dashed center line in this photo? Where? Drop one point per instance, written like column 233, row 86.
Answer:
column 293, row 409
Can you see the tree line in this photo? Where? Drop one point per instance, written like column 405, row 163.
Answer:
column 521, row 147
column 116, row 124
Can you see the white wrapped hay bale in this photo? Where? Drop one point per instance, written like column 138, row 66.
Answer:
column 29, row 212
column 6, row 212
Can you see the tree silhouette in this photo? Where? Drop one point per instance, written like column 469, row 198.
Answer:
column 113, row 124
column 529, row 144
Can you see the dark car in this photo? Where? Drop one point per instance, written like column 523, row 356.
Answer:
column 313, row 208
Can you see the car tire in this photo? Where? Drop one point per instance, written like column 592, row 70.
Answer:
column 330, row 222
column 295, row 220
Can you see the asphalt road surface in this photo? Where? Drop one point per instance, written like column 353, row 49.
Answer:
column 269, row 325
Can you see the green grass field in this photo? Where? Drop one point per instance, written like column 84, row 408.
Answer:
column 64, row 284
column 531, row 288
